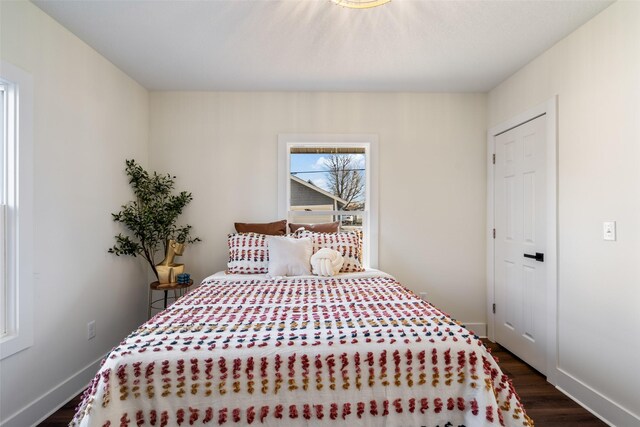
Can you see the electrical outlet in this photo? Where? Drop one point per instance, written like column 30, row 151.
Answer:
column 91, row 329
column 423, row 295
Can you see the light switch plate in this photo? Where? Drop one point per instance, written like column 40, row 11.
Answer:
column 609, row 230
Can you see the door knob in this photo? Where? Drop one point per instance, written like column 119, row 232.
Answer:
column 538, row 256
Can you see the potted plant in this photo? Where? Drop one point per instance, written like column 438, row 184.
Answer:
column 151, row 218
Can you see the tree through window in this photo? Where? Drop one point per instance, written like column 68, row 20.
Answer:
column 323, row 178
column 330, row 181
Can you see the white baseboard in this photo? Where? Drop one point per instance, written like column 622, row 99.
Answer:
column 596, row 403
column 480, row 329
column 37, row 411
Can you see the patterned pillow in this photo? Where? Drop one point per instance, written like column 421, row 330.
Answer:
column 348, row 243
column 248, row 254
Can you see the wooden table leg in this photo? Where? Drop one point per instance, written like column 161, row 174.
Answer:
column 149, row 309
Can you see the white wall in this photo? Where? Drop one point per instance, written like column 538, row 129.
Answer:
column 88, row 117
column 596, row 73
column 223, row 148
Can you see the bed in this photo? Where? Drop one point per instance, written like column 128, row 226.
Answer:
column 355, row 349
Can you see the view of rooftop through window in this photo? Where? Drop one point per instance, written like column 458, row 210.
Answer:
column 329, row 179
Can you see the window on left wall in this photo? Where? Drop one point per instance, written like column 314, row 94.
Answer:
column 3, row 212
column 16, row 210
column 4, row 227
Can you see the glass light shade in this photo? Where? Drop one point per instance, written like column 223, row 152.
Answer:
column 360, row 4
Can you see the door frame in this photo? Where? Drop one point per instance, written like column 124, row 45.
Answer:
column 549, row 108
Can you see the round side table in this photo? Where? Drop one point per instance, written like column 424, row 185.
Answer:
column 178, row 291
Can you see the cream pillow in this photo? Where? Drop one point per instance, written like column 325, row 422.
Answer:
column 289, row 256
column 326, row 262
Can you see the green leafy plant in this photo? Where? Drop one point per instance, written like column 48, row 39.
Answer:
column 151, row 218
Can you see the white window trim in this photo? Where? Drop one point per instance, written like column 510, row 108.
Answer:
column 20, row 253
column 367, row 141
column 3, row 207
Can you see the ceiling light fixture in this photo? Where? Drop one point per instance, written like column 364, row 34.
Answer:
column 360, row 4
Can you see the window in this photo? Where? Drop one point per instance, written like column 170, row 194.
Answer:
column 16, row 210
column 325, row 178
column 3, row 210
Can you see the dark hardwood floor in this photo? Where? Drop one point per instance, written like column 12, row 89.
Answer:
column 63, row 416
column 547, row 406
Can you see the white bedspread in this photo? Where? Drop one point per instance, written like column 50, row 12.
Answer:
column 356, row 349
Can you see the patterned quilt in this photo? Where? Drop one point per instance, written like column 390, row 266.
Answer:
column 356, row 349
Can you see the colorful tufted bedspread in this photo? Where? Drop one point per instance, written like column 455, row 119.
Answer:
column 357, row 350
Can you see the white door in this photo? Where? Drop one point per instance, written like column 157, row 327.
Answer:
column 520, row 241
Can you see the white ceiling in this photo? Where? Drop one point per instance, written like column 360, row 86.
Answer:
column 273, row 45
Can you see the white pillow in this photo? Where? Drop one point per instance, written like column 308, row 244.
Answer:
column 289, row 256
column 326, row 262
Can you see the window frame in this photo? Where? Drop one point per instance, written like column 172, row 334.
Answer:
column 17, row 143
column 370, row 213
column 4, row 95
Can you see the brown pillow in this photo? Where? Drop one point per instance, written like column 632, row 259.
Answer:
column 278, row 228
column 325, row 227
